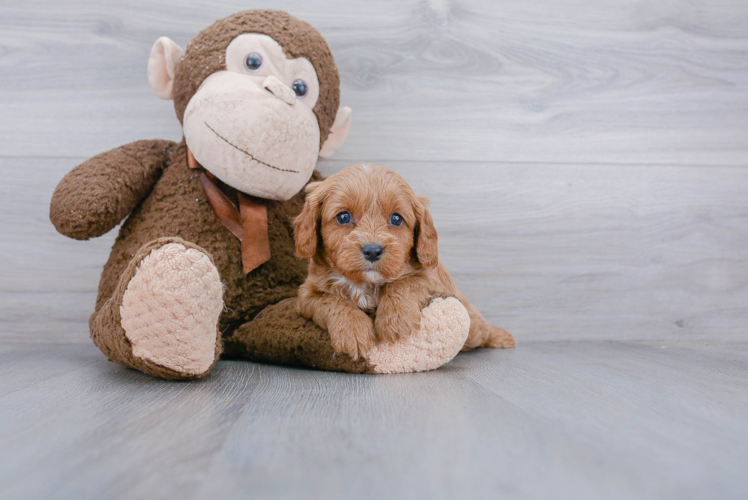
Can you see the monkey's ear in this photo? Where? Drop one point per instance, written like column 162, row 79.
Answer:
column 162, row 66
column 305, row 225
column 338, row 132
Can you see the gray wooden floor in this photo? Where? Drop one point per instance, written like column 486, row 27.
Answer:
column 577, row 420
column 587, row 163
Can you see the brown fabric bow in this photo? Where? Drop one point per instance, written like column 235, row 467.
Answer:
column 249, row 222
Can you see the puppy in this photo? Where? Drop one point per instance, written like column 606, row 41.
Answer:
column 374, row 261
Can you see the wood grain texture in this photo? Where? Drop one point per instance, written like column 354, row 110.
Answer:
column 614, row 81
column 547, row 420
column 547, row 251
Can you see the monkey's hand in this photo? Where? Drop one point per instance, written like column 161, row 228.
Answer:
column 97, row 194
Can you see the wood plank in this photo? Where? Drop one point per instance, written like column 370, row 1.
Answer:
column 640, row 404
column 547, row 251
column 109, row 419
column 605, row 82
column 562, row 420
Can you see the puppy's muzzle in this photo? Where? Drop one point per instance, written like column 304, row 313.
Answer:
column 372, row 253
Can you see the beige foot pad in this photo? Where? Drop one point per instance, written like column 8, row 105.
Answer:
column 445, row 324
column 170, row 309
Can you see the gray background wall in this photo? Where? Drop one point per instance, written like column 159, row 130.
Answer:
column 586, row 160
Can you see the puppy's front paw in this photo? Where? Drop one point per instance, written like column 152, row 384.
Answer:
column 352, row 334
column 397, row 320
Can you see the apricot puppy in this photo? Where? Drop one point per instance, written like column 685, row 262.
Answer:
column 374, row 261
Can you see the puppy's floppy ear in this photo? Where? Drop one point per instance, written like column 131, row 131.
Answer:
column 305, row 225
column 427, row 249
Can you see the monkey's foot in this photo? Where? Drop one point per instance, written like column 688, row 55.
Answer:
column 170, row 310
column 445, row 324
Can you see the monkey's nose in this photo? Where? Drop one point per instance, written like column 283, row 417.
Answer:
column 276, row 87
column 372, row 253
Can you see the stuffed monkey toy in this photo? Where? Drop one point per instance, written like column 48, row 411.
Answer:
column 204, row 262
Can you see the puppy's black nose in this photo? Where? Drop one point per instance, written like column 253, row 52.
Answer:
column 372, row 253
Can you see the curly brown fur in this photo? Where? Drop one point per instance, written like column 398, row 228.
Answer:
column 97, row 194
column 280, row 335
column 178, row 206
column 361, row 301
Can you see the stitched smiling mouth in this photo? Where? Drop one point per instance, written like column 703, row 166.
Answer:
column 248, row 153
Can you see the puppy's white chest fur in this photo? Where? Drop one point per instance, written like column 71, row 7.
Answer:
column 365, row 296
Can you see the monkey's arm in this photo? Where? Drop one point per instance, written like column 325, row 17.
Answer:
column 280, row 335
column 97, row 194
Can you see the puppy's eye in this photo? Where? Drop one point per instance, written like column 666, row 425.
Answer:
column 396, row 219
column 343, row 218
column 253, row 62
column 299, row 87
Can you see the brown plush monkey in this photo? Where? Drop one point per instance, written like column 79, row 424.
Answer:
column 205, row 260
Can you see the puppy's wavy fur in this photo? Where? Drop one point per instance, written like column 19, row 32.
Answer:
column 361, row 302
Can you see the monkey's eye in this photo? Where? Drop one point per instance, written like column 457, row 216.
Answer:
column 253, row 62
column 299, row 87
column 396, row 219
column 343, row 218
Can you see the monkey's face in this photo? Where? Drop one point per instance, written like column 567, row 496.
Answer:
column 250, row 110
column 252, row 124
